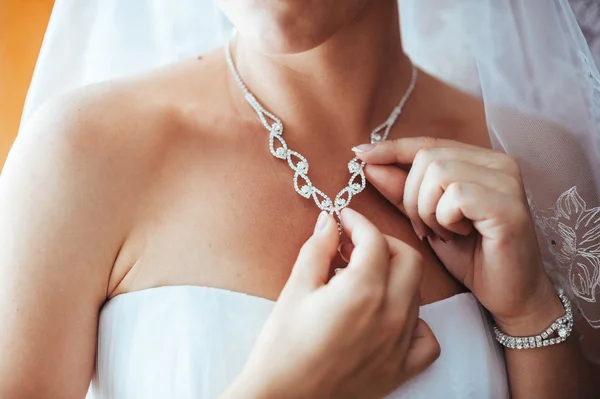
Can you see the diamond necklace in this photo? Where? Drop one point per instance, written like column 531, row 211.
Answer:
column 298, row 162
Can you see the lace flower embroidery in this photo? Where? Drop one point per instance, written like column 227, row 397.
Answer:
column 573, row 232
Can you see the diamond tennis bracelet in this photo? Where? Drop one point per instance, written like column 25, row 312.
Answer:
column 558, row 332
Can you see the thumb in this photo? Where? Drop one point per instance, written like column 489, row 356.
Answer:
column 389, row 180
column 311, row 269
column 423, row 351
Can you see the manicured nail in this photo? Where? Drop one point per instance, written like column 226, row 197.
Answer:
column 420, row 232
column 445, row 240
column 345, row 250
column 363, row 147
column 321, row 222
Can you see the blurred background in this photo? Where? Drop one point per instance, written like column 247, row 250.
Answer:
column 22, row 27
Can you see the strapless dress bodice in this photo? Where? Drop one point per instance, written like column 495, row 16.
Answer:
column 188, row 342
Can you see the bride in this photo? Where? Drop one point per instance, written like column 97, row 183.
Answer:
column 304, row 213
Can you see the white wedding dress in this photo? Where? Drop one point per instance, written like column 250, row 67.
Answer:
column 186, row 342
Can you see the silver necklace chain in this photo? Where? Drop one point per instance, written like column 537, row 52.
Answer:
column 298, row 162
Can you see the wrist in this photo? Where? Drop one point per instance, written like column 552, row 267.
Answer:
column 536, row 316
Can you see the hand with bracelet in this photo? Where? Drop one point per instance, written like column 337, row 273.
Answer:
column 470, row 204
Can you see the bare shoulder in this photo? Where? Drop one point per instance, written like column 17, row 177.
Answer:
column 88, row 157
column 108, row 125
column 118, row 131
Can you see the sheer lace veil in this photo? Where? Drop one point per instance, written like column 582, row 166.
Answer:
column 527, row 60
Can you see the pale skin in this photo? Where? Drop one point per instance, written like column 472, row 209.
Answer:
column 145, row 182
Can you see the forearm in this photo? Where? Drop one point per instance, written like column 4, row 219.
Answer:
column 551, row 372
column 560, row 371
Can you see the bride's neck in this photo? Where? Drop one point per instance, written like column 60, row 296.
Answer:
column 349, row 83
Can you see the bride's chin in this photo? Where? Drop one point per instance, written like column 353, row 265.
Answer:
column 289, row 26
column 283, row 43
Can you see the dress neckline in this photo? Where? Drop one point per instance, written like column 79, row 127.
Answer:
column 223, row 291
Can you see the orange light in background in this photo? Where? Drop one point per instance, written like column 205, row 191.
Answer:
column 22, row 27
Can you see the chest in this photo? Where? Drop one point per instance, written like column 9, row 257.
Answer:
column 223, row 212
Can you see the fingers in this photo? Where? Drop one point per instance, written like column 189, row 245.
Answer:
column 424, row 349
column 491, row 211
column 389, row 180
column 409, row 322
column 398, row 268
column 422, row 198
column 403, row 150
column 436, row 163
column 402, row 296
column 345, row 249
column 370, row 259
column 407, row 150
column 311, row 269
column 406, row 272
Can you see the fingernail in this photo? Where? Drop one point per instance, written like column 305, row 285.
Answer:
column 345, row 250
column 363, row 147
column 419, row 231
column 321, row 222
column 445, row 240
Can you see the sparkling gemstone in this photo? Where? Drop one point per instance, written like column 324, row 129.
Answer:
column 554, row 326
column 519, row 340
column 531, row 340
column 526, row 345
column 538, row 338
column 340, row 201
column 305, row 190
column 355, row 188
column 546, row 343
column 280, row 152
column 562, row 332
column 544, row 335
column 276, row 128
column 519, row 346
column 353, row 166
column 376, row 137
column 302, row 166
column 539, row 344
column 552, row 341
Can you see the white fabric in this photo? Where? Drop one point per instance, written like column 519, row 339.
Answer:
column 190, row 342
column 587, row 13
column 527, row 59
